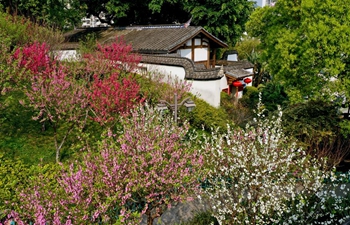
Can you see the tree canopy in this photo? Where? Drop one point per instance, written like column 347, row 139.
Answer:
column 306, row 45
column 223, row 18
column 55, row 13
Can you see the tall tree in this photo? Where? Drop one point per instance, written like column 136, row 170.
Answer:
column 224, row 18
column 306, row 45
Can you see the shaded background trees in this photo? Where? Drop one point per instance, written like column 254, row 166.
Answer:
column 61, row 14
column 225, row 18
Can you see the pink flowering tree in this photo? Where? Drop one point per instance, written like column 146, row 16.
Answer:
column 174, row 85
column 164, row 167
column 146, row 169
column 160, row 86
column 143, row 171
column 58, row 98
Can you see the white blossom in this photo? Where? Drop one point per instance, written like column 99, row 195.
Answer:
column 255, row 171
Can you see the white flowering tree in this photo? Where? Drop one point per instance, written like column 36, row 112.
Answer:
column 259, row 176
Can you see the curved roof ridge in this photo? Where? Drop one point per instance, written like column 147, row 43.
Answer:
column 191, row 72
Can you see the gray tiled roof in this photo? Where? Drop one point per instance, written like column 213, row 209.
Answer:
column 236, row 69
column 148, row 39
column 236, row 72
column 191, row 71
column 241, row 64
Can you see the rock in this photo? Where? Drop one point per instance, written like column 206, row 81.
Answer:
column 181, row 212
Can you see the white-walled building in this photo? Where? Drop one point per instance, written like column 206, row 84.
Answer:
column 262, row 3
column 187, row 53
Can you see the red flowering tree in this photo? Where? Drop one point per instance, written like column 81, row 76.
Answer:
column 103, row 88
column 109, row 97
column 113, row 90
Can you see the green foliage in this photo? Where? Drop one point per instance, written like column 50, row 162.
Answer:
column 15, row 118
column 306, row 45
column 201, row 218
column 207, row 117
column 19, row 31
column 20, row 136
column 345, row 128
column 31, row 141
column 13, row 174
column 316, row 126
column 39, row 175
column 250, row 96
column 11, row 33
column 312, row 119
column 16, row 176
column 224, row 19
column 124, row 13
column 47, row 172
column 151, row 87
column 246, row 46
column 261, row 76
column 88, row 43
column 272, row 96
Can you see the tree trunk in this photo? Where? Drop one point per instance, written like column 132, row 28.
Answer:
column 149, row 217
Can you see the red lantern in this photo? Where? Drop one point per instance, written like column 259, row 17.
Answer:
column 237, row 83
column 247, row 80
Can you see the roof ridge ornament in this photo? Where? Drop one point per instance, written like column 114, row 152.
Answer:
column 153, row 27
column 221, row 71
column 187, row 24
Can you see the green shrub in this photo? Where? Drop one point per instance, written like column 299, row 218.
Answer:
column 20, row 136
column 317, row 126
column 235, row 110
column 207, row 117
column 16, row 178
column 272, row 95
column 202, row 218
column 13, row 175
column 19, row 31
